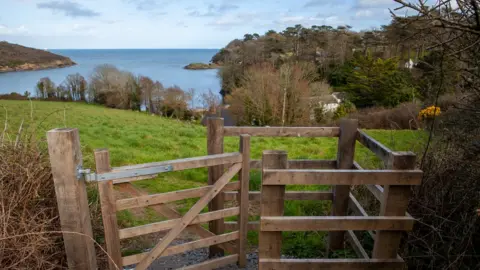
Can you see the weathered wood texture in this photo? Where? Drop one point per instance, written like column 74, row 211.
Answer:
column 188, row 217
column 272, row 204
column 341, row 177
column 301, row 164
column 215, row 133
column 166, row 211
column 146, row 200
column 169, row 224
column 283, row 131
column 202, row 243
column 72, row 201
column 394, row 203
column 330, row 264
column 356, row 245
column 214, row 263
column 109, row 211
column 376, row 147
column 332, row 223
column 244, row 178
column 345, row 157
column 376, row 190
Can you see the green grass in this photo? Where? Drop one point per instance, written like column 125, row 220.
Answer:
column 135, row 137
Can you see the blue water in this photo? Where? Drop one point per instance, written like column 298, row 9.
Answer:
column 164, row 65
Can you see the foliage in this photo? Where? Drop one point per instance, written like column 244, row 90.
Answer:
column 429, row 112
column 377, row 82
column 271, row 96
column 344, row 109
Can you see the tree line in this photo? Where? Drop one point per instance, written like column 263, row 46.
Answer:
column 120, row 89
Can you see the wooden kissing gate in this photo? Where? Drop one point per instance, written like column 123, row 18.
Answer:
column 391, row 187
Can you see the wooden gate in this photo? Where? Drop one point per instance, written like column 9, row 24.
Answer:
column 238, row 163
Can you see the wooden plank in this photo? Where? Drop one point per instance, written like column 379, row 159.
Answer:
column 244, row 178
column 167, row 197
column 133, row 179
column 189, row 216
column 376, row 190
column 356, row 245
column 283, row 131
column 109, row 212
column 166, row 211
column 213, row 264
column 169, row 224
column 330, row 264
column 72, row 201
column 289, row 196
column 345, row 158
column 394, row 202
column 233, row 226
column 301, row 164
column 356, row 206
column 332, row 223
column 272, row 204
column 215, row 146
column 376, row 147
column 202, row 243
column 342, row 177
column 185, row 164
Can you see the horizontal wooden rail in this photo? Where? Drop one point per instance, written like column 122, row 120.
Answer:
column 342, row 177
column 289, row 196
column 233, row 226
column 283, row 131
column 168, row 224
column 376, row 147
column 214, row 263
column 205, row 242
column 179, row 164
column 376, row 190
column 335, row 223
column 337, row 264
column 301, row 164
column 167, row 197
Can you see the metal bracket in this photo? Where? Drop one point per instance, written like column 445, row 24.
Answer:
column 94, row 177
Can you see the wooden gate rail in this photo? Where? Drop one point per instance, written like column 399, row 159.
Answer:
column 389, row 225
column 106, row 179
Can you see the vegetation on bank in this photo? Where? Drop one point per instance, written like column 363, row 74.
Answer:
column 15, row 57
column 201, row 66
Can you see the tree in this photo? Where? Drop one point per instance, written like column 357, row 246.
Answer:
column 377, row 82
column 77, row 86
column 45, row 88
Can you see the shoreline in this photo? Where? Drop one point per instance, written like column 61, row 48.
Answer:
column 34, row 66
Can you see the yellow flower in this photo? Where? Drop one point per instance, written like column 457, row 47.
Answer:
column 429, row 112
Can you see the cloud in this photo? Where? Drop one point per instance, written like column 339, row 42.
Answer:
column 69, row 8
column 214, row 10
column 5, row 30
column 376, row 3
column 318, row 3
column 363, row 13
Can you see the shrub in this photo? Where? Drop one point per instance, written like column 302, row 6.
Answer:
column 403, row 116
column 28, row 209
column 344, row 109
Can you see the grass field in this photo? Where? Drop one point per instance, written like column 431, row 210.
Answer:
column 135, row 137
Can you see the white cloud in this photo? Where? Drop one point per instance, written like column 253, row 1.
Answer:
column 20, row 30
column 364, row 13
column 375, row 3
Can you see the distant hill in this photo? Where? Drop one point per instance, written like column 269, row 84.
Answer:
column 14, row 57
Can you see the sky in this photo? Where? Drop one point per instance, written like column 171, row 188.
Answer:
column 107, row 24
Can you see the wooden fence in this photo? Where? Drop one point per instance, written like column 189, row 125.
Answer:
column 391, row 187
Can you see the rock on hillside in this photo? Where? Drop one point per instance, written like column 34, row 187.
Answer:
column 14, row 57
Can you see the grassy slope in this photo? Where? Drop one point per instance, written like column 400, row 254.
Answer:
column 134, row 137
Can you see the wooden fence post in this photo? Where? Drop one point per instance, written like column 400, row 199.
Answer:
column 345, row 158
column 215, row 146
column 394, row 203
column 272, row 204
column 244, row 177
column 109, row 211
column 72, row 201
